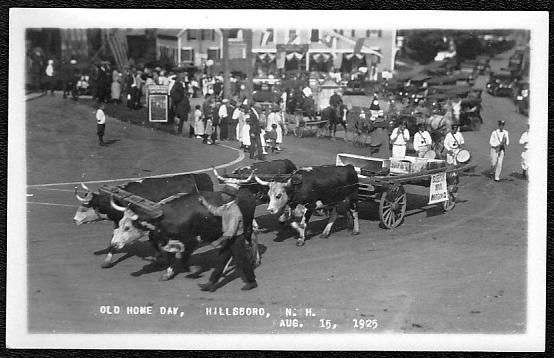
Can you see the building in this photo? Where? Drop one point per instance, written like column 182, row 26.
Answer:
column 287, row 49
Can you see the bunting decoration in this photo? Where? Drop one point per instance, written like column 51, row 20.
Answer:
column 295, row 55
column 321, row 57
column 349, row 56
column 268, row 57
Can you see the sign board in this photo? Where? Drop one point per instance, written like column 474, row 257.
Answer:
column 291, row 48
column 158, row 103
column 386, row 75
column 438, row 190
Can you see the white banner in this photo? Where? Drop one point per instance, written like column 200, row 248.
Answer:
column 438, row 190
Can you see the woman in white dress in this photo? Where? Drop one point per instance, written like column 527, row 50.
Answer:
column 198, row 122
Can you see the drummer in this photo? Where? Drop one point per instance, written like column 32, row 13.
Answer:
column 422, row 141
column 453, row 143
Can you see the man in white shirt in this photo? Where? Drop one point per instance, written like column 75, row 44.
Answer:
column 399, row 137
column 453, row 142
column 524, row 141
column 223, row 120
column 422, row 141
column 307, row 91
column 498, row 141
column 100, row 124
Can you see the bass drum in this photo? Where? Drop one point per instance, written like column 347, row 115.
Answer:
column 430, row 154
column 463, row 156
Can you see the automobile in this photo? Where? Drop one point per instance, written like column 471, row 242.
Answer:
column 470, row 113
column 521, row 97
column 500, row 83
column 483, row 64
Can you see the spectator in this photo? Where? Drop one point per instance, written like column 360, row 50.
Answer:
column 100, row 123
column 524, row 142
column 255, row 134
column 181, row 103
column 116, row 88
column 238, row 120
column 198, row 123
column 498, row 141
column 215, row 120
column 50, row 77
column 223, row 113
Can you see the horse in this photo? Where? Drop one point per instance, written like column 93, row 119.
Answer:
column 334, row 116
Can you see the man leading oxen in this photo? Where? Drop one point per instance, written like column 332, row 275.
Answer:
column 96, row 206
column 314, row 187
column 183, row 219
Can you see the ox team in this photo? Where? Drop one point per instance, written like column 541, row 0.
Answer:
column 193, row 212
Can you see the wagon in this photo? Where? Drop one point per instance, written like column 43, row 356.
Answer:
column 383, row 181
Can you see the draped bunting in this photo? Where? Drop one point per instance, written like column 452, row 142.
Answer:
column 295, row 55
column 321, row 57
column 268, row 57
column 349, row 56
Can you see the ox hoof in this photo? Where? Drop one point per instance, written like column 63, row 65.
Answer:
column 300, row 243
column 106, row 264
column 324, row 236
column 355, row 233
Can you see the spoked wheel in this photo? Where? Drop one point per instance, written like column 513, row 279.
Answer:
column 392, row 206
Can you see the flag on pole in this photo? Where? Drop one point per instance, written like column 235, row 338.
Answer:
column 294, row 39
column 265, row 38
column 359, row 44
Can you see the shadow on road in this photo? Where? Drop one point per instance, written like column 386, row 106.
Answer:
column 111, row 141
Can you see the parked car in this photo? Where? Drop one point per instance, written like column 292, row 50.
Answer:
column 521, row 97
column 500, row 83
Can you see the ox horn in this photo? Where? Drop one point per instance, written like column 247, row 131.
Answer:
column 219, row 177
column 81, row 199
column 247, row 180
column 84, row 186
column 288, row 184
column 117, row 207
column 260, row 181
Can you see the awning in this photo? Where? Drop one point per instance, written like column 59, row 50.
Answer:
column 268, row 57
column 321, row 57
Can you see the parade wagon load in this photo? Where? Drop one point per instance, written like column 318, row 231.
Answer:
column 383, row 180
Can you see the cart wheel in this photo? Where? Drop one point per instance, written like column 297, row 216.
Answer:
column 451, row 202
column 392, row 206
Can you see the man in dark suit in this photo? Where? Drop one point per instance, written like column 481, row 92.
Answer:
column 255, row 130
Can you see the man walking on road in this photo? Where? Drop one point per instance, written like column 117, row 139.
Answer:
column 498, row 141
column 524, row 142
column 100, row 124
column 232, row 242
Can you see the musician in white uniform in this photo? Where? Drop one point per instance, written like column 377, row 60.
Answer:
column 422, row 141
column 453, row 143
column 499, row 140
column 399, row 137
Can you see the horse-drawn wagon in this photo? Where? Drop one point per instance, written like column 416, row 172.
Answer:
column 383, row 180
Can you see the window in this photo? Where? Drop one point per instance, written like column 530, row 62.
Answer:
column 213, row 54
column 315, row 36
column 235, row 34
column 207, row 35
column 379, row 33
column 292, row 34
column 187, row 55
column 367, row 33
column 270, row 39
column 192, row 34
column 353, row 33
column 341, row 32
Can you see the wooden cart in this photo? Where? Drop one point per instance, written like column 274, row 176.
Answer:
column 388, row 190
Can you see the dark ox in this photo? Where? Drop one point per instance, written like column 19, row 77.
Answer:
column 274, row 167
column 184, row 219
column 315, row 187
column 335, row 116
column 96, row 206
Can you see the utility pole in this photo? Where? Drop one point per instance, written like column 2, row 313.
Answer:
column 249, row 64
column 225, row 58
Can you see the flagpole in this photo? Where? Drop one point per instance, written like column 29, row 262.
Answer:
column 249, row 67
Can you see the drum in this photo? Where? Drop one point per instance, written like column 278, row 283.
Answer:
column 463, row 156
column 430, row 154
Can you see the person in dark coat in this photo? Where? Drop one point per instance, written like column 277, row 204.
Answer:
column 255, row 130
column 224, row 118
column 181, row 104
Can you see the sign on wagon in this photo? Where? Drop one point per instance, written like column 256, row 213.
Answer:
column 438, row 191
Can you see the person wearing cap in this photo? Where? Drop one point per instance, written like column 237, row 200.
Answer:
column 453, row 142
column 50, row 77
column 274, row 124
column 232, row 241
column 399, row 138
column 498, row 141
column 422, row 140
column 524, row 142
column 223, row 113
column 100, row 123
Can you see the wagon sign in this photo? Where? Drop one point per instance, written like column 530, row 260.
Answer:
column 438, row 190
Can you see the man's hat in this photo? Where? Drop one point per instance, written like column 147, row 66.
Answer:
column 501, row 122
column 225, row 100
column 230, row 190
column 421, row 125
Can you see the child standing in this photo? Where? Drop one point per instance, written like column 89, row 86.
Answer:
column 198, row 129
